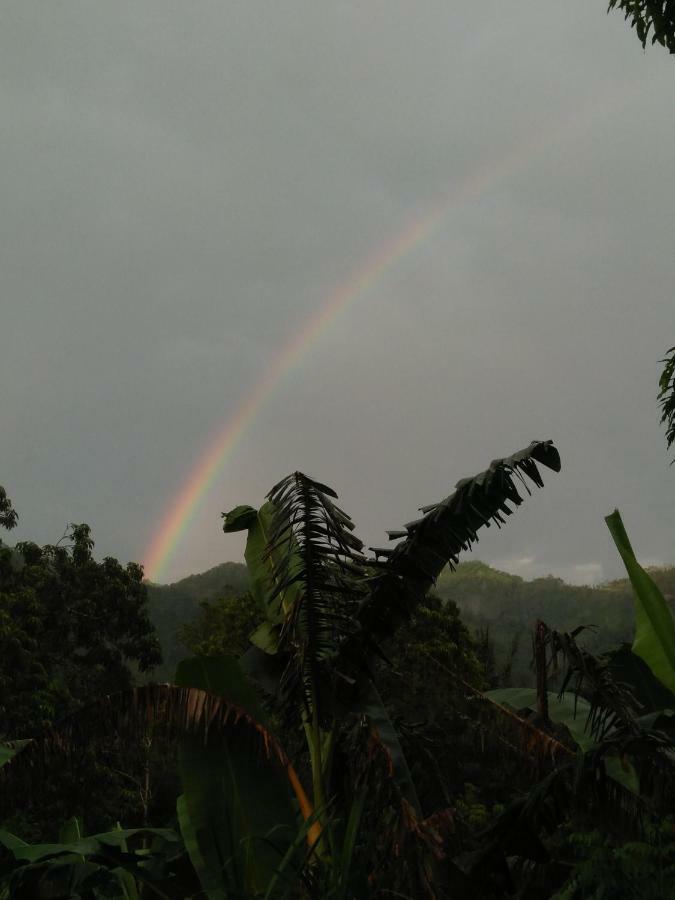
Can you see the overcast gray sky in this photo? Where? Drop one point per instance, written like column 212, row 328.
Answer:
column 183, row 184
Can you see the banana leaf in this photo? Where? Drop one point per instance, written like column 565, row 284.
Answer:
column 98, row 865
column 262, row 566
column 569, row 711
column 654, row 640
column 236, row 813
column 574, row 713
column 445, row 529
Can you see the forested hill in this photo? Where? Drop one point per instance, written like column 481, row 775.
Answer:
column 504, row 604
column 172, row 605
column 489, row 593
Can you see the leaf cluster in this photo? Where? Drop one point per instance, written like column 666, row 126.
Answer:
column 650, row 16
column 666, row 395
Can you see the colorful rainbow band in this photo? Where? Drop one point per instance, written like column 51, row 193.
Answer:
column 203, row 473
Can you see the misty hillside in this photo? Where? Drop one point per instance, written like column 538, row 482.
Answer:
column 172, row 605
column 490, row 601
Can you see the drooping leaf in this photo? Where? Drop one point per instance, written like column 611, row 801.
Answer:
column 262, row 562
column 224, row 677
column 654, row 625
column 445, row 529
column 573, row 714
column 227, row 677
column 172, row 710
column 524, row 739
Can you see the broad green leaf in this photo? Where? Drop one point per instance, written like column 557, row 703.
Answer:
column 561, row 711
column 54, row 868
column 233, row 798
column 235, row 792
column 209, row 875
column 83, row 847
column 12, row 842
column 261, row 564
column 654, row 625
column 266, row 637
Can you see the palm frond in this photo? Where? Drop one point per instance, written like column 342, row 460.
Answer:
column 612, row 703
column 408, row 571
column 666, row 396
column 323, row 566
column 640, row 744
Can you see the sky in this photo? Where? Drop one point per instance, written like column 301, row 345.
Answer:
column 185, row 186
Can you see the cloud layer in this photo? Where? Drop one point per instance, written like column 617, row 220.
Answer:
column 183, row 186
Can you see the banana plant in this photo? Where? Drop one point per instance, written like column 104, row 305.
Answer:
column 328, row 609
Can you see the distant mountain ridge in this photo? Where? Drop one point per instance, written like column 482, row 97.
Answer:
column 213, row 581
column 487, row 598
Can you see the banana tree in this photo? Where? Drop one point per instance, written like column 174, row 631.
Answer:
column 328, row 608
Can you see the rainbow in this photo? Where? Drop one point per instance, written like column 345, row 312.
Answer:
column 204, row 471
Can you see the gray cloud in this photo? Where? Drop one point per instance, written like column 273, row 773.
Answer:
column 183, row 185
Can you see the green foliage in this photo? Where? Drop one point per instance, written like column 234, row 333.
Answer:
column 235, row 811
column 222, row 627
column 423, row 684
column 643, row 870
column 655, row 16
column 110, row 865
column 172, row 606
column 71, row 628
column 506, row 605
column 654, row 624
column 8, row 515
column 667, row 396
